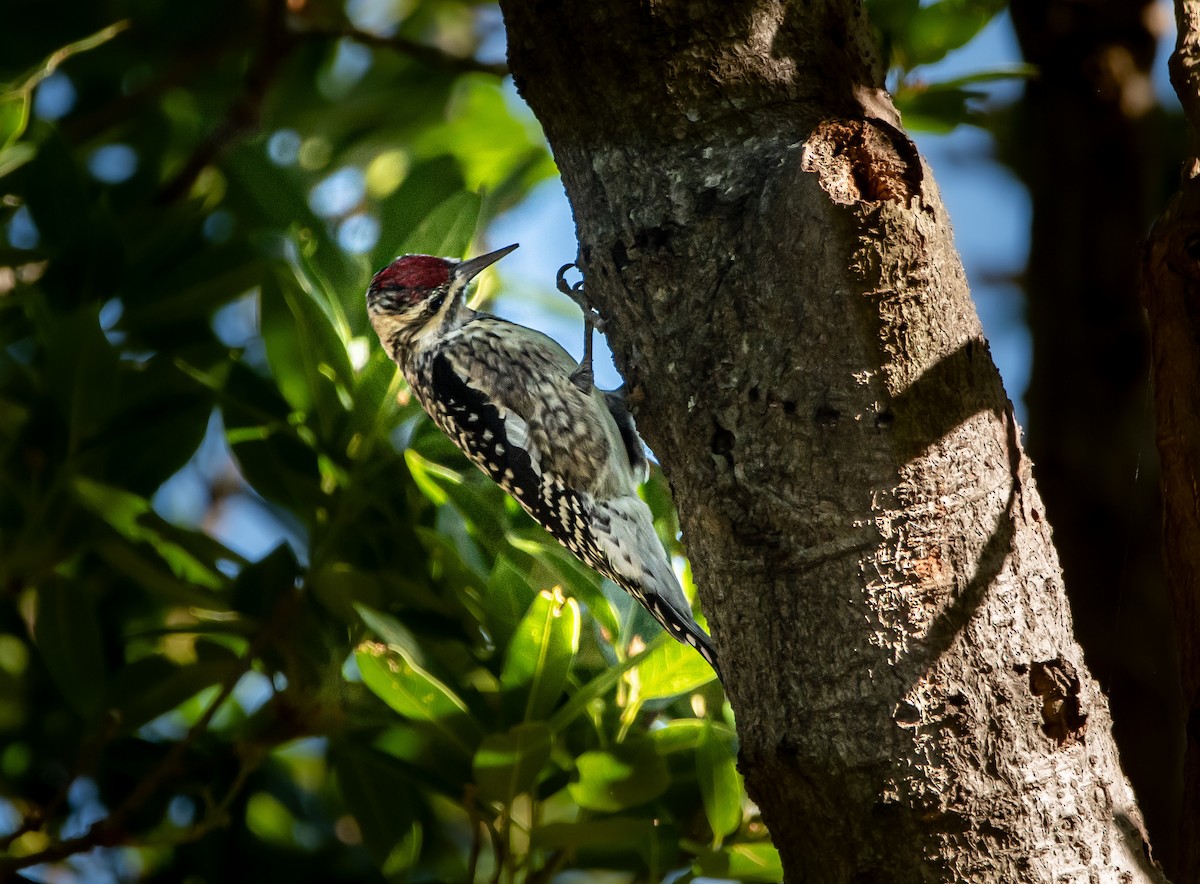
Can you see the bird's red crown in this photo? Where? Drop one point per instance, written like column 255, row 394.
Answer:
column 414, row 272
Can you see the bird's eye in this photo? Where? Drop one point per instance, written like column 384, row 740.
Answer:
column 435, row 303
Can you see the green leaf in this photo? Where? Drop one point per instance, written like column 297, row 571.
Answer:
column 376, row 409
column 417, row 695
column 679, row 735
column 447, row 230
column 577, row 578
column 307, row 355
column 939, row 28
column 14, row 105
column 427, row 185
column 742, row 862
column 720, row 783
column 672, row 668
column 15, row 157
column 68, row 635
column 990, row 75
column 153, row 686
column 14, row 116
column 133, row 517
column 630, row 774
column 392, row 631
column 146, row 568
column 507, row 765
column 442, row 485
column 340, row 587
column 159, row 421
column 489, row 140
column 507, row 599
column 599, row 686
column 269, row 451
column 541, row 652
column 379, row 795
column 892, row 16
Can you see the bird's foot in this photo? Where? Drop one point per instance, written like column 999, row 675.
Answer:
column 582, row 377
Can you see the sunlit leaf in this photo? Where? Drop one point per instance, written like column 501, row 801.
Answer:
column 599, row 686
column 392, row 631
column 487, row 138
column 541, row 652
column 720, row 783
column 443, row 485
column 629, row 774
column 308, row 357
column 15, row 157
column 14, row 115
column 679, row 735
column 742, row 862
column 672, row 668
column 416, row 695
column 577, row 578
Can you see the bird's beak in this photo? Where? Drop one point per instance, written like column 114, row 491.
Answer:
column 469, row 269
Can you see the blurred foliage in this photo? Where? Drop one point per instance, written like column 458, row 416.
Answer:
column 406, row 679
column 913, row 35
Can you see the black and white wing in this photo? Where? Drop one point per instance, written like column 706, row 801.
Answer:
column 614, row 535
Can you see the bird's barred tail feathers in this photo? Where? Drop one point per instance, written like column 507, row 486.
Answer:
column 684, row 630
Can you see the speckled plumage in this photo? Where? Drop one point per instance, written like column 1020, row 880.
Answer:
column 508, row 396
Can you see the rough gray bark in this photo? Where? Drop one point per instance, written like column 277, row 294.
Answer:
column 787, row 307
column 1171, row 293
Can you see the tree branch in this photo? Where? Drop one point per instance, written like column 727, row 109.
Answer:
column 1170, row 289
column 433, row 56
column 244, row 115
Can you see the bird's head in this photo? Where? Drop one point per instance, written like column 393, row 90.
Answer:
column 417, row 294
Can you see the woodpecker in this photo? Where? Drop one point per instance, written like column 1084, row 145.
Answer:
column 526, row 414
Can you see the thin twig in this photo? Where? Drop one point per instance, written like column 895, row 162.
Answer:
column 245, row 114
column 422, row 52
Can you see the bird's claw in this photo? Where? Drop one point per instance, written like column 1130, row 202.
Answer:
column 575, row 292
column 582, row 377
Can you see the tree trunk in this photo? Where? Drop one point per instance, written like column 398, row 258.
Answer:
column 792, row 321
column 1171, row 293
column 1093, row 102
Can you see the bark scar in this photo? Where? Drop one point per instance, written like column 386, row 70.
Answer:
column 1057, row 684
column 864, row 161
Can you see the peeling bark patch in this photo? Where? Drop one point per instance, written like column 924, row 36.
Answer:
column 1057, row 684
column 857, row 161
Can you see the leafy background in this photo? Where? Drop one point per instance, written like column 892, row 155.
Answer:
column 259, row 618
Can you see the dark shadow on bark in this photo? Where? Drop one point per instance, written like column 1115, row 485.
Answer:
column 961, row 385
